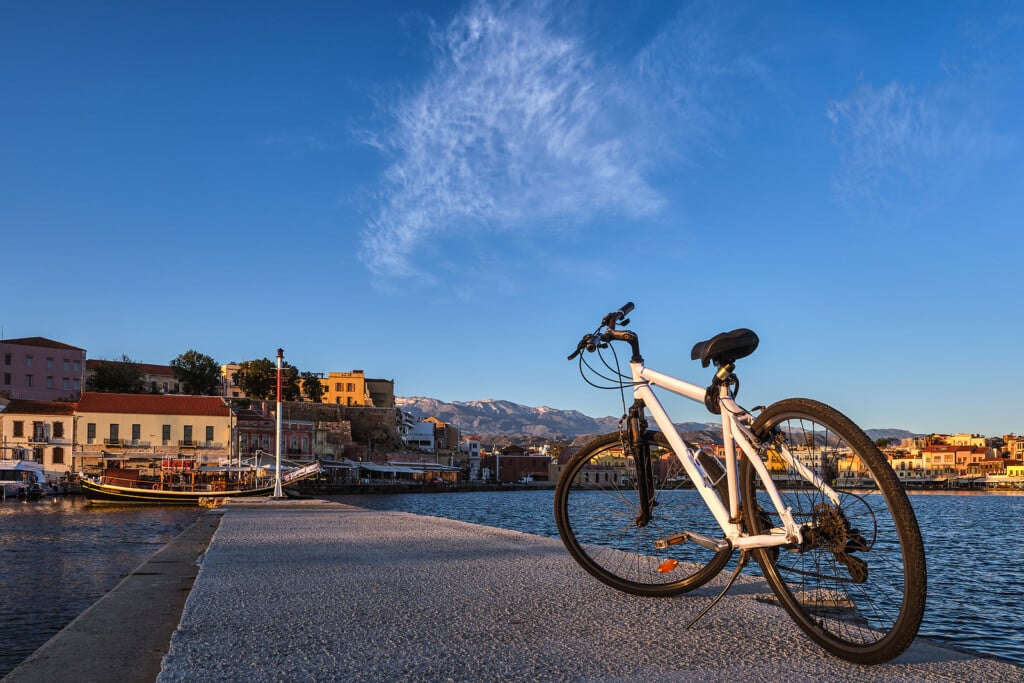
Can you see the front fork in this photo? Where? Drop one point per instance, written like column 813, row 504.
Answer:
column 636, row 444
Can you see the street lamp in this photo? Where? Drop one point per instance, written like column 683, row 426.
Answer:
column 277, row 466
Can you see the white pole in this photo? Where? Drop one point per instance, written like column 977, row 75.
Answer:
column 277, row 467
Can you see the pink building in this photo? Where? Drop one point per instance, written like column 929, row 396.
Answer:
column 40, row 369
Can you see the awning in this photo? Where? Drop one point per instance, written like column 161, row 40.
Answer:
column 373, row 467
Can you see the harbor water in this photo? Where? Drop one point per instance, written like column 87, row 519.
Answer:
column 59, row 555
column 974, row 554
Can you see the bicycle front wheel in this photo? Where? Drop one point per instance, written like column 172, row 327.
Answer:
column 857, row 583
column 597, row 508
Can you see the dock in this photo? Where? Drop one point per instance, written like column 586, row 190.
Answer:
column 311, row 590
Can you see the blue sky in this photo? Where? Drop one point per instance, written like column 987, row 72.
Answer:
column 450, row 194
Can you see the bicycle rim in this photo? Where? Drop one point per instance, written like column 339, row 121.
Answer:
column 596, row 509
column 857, row 584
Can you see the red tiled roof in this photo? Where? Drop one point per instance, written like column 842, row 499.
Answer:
column 40, row 407
column 152, row 404
column 40, row 341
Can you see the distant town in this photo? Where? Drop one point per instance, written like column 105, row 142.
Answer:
column 77, row 416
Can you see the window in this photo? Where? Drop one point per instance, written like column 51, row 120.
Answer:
column 90, row 432
column 28, row 380
column 58, row 430
column 166, row 434
column 7, row 378
column 76, row 365
column 76, row 384
column 49, row 363
column 28, row 361
column 67, row 365
column 114, row 430
column 188, row 433
column 243, row 442
column 58, row 456
column 165, row 387
column 7, row 359
column 19, row 428
column 136, row 432
column 350, row 387
column 67, row 384
column 209, row 434
column 49, row 382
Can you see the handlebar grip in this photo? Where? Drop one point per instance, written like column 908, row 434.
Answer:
column 625, row 310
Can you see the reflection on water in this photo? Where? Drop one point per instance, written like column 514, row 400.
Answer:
column 59, row 555
column 972, row 544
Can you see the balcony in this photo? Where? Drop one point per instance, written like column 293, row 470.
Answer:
column 113, row 443
column 188, row 443
column 39, row 439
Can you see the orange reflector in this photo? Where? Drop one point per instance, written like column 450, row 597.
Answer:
column 667, row 566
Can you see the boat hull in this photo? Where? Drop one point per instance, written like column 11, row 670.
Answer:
column 108, row 493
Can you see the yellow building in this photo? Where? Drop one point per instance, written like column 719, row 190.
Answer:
column 346, row 388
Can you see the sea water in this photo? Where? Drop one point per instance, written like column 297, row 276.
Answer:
column 59, row 555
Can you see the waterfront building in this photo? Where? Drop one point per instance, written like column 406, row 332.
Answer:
column 1014, row 446
column 346, row 388
column 41, row 431
column 156, row 379
column 254, row 431
column 382, row 392
column 228, row 387
column 967, row 440
column 41, row 369
column 421, row 436
column 133, row 429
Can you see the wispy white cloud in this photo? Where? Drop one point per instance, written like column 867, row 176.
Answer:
column 899, row 142
column 522, row 126
column 510, row 129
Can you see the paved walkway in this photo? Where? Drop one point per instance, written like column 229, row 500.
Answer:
column 316, row 591
column 312, row 591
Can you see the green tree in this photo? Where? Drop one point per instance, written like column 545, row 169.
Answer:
column 197, row 372
column 258, row 379
column 883, row 442
column 290, row 390
column 116, row 376
column 312, row 387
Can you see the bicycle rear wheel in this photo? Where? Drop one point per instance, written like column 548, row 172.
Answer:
column 857, row 583
column 596, row 509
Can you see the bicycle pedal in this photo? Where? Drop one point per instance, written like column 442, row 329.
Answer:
column 663, row 543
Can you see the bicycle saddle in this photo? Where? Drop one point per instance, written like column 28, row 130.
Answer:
column 726, row 347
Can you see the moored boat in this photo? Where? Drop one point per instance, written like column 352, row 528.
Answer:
column 23, row 479
column 181, row 483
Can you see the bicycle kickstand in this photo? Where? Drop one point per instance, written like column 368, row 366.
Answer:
column 740, row 564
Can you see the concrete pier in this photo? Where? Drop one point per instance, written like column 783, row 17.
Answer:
column 316, row 591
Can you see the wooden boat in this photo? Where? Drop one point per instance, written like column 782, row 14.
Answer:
column 181, row 483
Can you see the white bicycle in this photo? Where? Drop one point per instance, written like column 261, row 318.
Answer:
column 800, row 487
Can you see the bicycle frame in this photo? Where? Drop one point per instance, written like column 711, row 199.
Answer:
column 735, row 429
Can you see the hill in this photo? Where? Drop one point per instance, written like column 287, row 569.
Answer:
column 491, row 419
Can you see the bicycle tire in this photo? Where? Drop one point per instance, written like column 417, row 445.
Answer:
column 858, row 583
column 596, row 506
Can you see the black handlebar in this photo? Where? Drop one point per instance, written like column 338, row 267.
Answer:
column 597, row 339
column 618, row 316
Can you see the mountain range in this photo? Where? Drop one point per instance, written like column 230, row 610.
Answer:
column 490, row 418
